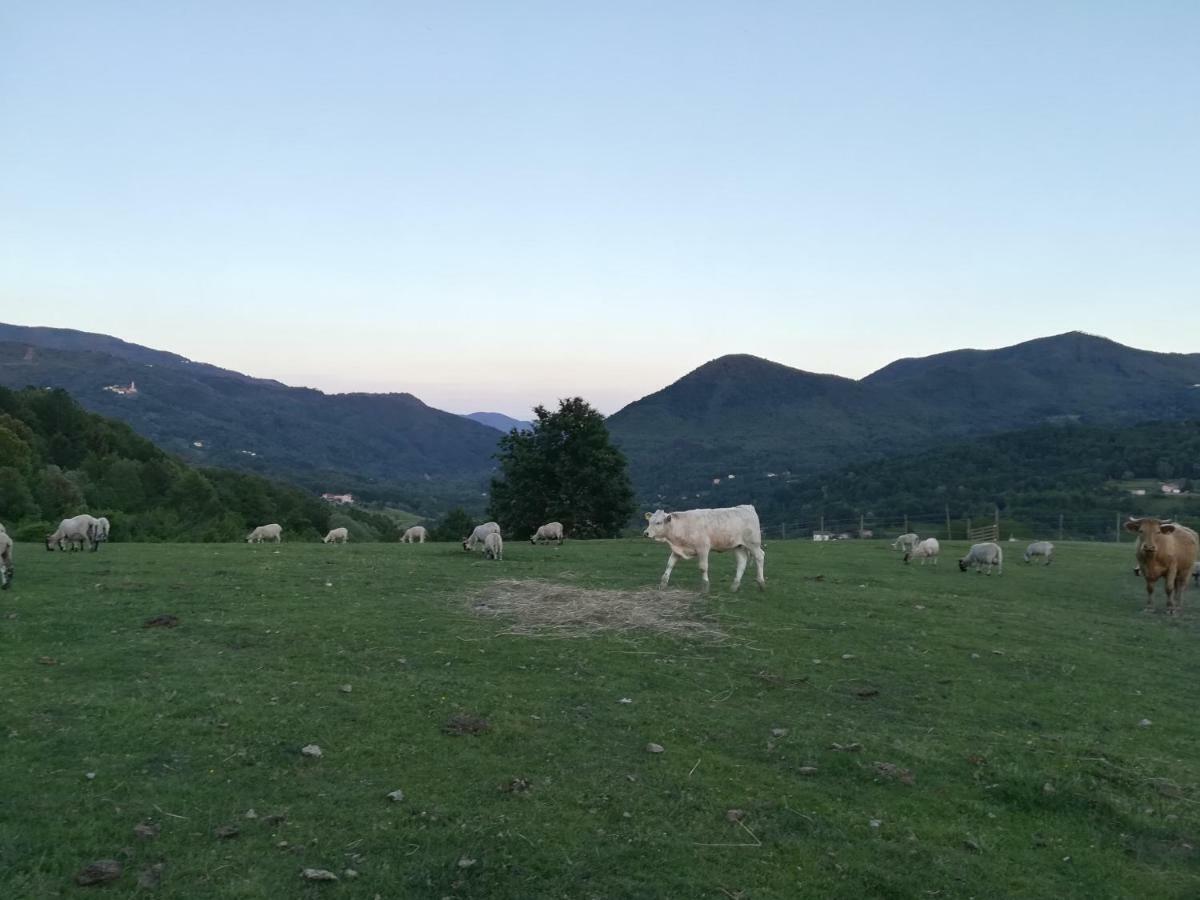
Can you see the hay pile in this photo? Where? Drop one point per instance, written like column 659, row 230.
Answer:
column 543, row 608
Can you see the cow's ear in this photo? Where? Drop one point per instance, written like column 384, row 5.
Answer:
column 668, row 518
column 647, row 517
column 1133, row 525
column 1167, row 528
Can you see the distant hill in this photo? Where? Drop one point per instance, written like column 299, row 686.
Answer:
column 746, row 416
column 390, row 445
column 499, row 421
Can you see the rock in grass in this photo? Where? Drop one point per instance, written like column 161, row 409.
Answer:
column 317, row 875
column 311, row 750
column 807, row 770
column 1145, row 723
column 346, row 688
column 151, row 877
column 146, row 830
column 226, row 831
column 654, row 748
column 466, row 862
column 396, row 796
column 101, row 871
column 735, row 815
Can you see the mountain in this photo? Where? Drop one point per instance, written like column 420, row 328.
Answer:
column 746, row 416
column 499, row 421
column 389, row 445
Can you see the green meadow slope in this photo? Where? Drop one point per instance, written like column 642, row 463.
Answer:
column 885, row 730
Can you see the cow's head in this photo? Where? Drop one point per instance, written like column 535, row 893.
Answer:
column 49, row 538
column 465, row 542
column 962, row 564
column 1148, row 530
column 656, row 524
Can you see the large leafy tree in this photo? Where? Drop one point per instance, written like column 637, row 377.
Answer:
column 565, row 469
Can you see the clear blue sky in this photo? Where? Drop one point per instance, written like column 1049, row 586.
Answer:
column 495, row 204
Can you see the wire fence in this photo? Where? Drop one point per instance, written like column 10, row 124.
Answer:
column 945, row 525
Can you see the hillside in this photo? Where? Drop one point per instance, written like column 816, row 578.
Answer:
column 390, row 446
column 747, row 417
column 1032, row 476
column 57, row 460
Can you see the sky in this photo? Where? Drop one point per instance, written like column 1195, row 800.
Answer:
column 493, row 205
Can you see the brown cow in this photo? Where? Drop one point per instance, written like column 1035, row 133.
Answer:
column 1165, row 550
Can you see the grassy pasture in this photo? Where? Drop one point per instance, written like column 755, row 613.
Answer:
column 1013, row 702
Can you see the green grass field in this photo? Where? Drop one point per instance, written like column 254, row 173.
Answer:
column 989, row 726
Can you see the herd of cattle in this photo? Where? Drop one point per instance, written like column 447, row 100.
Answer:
column 1164, row 549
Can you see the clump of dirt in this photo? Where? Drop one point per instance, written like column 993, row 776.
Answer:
column 465, row 723
column 164, row 621
column 543, row 608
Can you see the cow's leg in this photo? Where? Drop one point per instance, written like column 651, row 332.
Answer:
column 742, row 558
column 702, row 560
column 1180, row 588
column 1170, row 582
column 666, row 576
column 1149, row 596
column 760, row 558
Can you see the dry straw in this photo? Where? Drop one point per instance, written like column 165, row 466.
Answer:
column 542, row 608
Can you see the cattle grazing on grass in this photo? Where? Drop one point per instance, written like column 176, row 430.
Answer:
column 414, row 535
column 697, row 532
column 75, row 531
column 987, row 555
column 337, row 536
column 6, row 566
column 926, row 549
column 493, row 545
column 906, row 542
column 262, row 533
column 475, row 538
column 551, row 531
column 1168, row 551
column 1044, row 549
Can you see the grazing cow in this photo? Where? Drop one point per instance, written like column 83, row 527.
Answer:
column 1165, row 550
column 926, row 549
column 79, row 530
column 1044, row 549
column 6, row 566
column 337, row 536
column 414, row 535
column 102, row 529
column 906, row 542
column 551, row 531
column 696, row 532
column 493, row 545
column 987, row 554
column 265, row 533
column 475, row 538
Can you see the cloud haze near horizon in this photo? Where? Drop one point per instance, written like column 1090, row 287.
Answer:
column 495, row 206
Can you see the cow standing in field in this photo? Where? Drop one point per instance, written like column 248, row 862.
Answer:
column 551, row 531
column 926, row 549
column 414, row 535
column 1165, row 550
column 477, row 537
column 696, row 532
column 906, row 542
column 272, row 532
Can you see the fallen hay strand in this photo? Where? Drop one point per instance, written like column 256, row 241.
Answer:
column 546, row 609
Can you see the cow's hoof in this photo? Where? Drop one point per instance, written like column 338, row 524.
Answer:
column 762, row 585
column 736, row 586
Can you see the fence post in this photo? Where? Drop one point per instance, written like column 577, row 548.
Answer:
column 784, row 527
column 949, row 536
column 1118, row 528
column 1060, row 526
column 906, row 523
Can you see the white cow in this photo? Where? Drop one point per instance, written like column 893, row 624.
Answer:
column 551, row 531
column 272, row 532
column 337, row 536
column 696, row 532
column 475, row 539
column 6, row 566
column 906, row 542
column 1044, row 549
column 926, row 549
column 493, row 545
column 79, row 530
column 414, row 535
column 986, row 554
column 102, row 528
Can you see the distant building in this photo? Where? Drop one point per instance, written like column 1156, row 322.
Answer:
column 122, row 390
column 1171, row 487
column 822, row 535
column 716, row 481
column 1138, row 492
column 866, row 533
column 197, row 443
column 338, row 499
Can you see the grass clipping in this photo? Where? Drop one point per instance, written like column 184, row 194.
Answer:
column 546, row 609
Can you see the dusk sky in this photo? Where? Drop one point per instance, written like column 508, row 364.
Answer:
column 493, row 205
